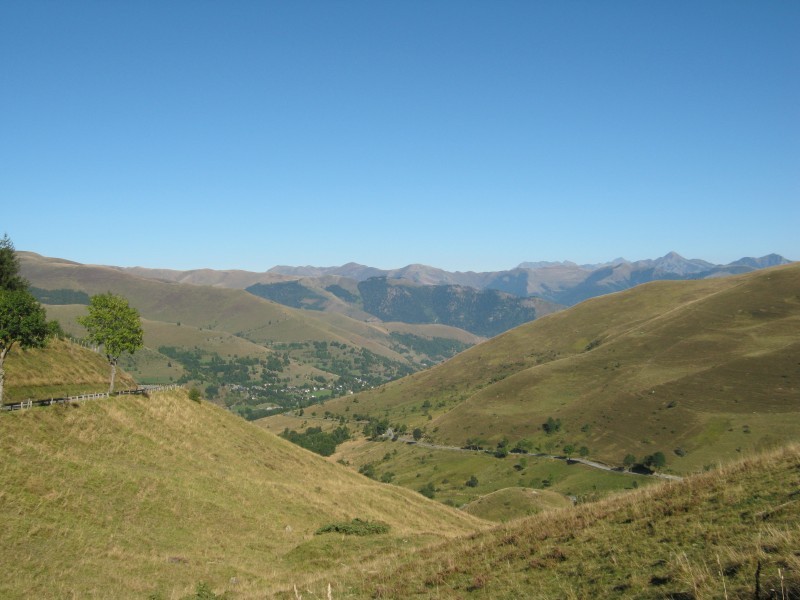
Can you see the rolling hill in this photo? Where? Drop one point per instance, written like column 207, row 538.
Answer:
column 142, row 497
column 701, row 371
column 213, row 334
column 731, row 533
column 162, row 497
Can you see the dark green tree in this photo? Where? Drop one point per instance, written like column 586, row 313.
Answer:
column 115, row 325
column 22, row 319
column 417, row 434
column 551, row 425
column 23, row 322
column 655, row 461
column 10, row 278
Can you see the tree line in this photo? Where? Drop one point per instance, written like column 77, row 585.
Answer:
column 111, row 323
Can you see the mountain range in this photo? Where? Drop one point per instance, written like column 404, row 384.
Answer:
column 561, row 282
column 484, row 304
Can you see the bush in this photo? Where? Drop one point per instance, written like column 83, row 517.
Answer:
column 655, row 460
column 195, row 395
column 354, row 527
column 368, row 470
column 472, row 482
column 551, row 425
column 428, row 490
column 204, row 592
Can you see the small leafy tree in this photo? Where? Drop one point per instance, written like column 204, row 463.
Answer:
column 629, row 461
column 569, row 450
column 472, row 482
column 22, row 321
column 115, row 325
column 417, row 434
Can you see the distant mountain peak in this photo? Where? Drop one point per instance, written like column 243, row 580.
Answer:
column 770, row 260
column 544, row 264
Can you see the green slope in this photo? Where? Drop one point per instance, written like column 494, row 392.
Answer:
column 129, row 497
column 734, row 533
column 60, row 369
column 700, row 370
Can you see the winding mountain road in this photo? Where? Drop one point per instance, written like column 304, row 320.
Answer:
column 589, row 463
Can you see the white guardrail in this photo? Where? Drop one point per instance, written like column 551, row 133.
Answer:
column 142, row 389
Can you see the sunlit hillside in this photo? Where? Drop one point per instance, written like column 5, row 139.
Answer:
column 60, row 369
column 139, row 496
column 701, row 371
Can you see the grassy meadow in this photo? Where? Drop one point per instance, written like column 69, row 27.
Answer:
column 138, row 496
column 729, row 533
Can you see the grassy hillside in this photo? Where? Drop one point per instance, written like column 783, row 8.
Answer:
column 60, row 369
column 699, row 370
column 130, row 497
column 732, row 533
column 509, row 503
column 213, row 335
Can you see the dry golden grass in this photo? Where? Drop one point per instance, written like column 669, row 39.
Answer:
column 127, row 497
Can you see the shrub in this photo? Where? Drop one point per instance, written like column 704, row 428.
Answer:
column 551, row 425
column 195, row 395
column 203, row 592
column 472, row 482
column 368, row 470
column 428, row 490
column 655, row 460
column 354, row 527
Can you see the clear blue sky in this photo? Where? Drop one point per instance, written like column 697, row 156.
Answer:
column 460, row 134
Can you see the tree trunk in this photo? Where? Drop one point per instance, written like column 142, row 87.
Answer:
column 113, row 375
column 3, row 354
